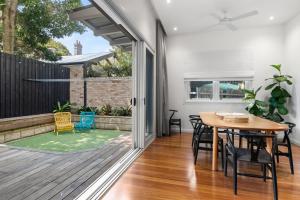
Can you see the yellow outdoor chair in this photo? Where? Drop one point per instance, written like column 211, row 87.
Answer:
column 63, row 122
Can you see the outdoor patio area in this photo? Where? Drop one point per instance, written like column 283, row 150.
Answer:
column 33, row 174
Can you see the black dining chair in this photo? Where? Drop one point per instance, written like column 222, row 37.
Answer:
column 204, row 135
column 285, row 142
column 194, row 119
column 256, row 154
column 173, row 121
column 244, row 134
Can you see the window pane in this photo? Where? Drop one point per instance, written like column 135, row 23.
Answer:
column 232, row 89
column 201, row 90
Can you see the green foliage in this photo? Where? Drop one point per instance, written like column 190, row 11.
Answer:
column 106, row 109
column 122, row 111
column 279, row 95
column 62, row 108
column 120, row 65
column 2, row 3
column 39, row 21
column 255, row 107
column 58, row 48
column 88, row 109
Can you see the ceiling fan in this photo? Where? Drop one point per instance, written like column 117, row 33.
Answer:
column 226, row 20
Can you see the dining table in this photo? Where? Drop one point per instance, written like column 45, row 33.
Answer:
column 254, row 123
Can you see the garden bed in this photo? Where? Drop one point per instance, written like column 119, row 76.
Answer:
column 110, row 122
column 21, row 127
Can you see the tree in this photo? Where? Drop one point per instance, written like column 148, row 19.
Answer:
column 39, row 21
column 9, row 24
column 2, row 3
column 120, row 65
column 58, row 48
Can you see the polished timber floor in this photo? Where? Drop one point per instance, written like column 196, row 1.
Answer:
column 166, row 171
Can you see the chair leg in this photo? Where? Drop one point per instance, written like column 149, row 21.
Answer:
column 193, row 138
column 265, row 172
column 290, row 157
column 248, row 144
column 274, row 177
column 277, row 154
column 235, row 175
column 222, row 154
column 226, row 162
column 169, row 129
column 196, row 147
column 240, row 142
column 196, row 156
column 180, row 127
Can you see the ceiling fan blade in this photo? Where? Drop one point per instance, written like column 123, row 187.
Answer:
column 231, row 27
column 208, row 28
column 216, row 16
column 248, row 14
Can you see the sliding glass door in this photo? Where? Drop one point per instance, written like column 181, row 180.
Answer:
column 149, row 99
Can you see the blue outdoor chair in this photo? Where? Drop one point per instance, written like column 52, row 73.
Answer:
column 87, row 121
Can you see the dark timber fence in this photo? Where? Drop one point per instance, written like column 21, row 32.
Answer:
column 21, row 90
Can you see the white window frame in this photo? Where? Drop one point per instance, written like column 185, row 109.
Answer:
column 216, row 78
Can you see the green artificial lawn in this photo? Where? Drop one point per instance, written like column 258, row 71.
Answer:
column 67, row 141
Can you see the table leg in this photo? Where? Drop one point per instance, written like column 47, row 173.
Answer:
column 269, row 142
column 215, row 150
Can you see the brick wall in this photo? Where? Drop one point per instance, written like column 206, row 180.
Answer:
column 116, row 91
column 76, row 87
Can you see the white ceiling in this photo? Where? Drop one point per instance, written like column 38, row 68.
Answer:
column 195, row 15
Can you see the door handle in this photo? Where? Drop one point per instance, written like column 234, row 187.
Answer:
column 133, row 101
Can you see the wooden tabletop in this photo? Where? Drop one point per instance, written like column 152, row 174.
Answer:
column 254, row 123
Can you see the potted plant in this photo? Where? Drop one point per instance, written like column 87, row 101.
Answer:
column 279, row 95
column 255, row 106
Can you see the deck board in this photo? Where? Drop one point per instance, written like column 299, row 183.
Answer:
column 29, row 174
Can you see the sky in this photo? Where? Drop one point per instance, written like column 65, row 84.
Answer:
column 90, row 43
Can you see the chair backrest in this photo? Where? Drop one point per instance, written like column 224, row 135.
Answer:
column 173, row 113
column 62, row 117
column 201, row 128
column 291, row 126
column 260, row 137
column 87, row 117
column 194, row 116
column 195, row 122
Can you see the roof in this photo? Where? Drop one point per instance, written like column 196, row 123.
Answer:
column 80, row 59
column 102, row 25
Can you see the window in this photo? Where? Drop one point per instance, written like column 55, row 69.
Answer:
column 230, row 90
column 201, row 90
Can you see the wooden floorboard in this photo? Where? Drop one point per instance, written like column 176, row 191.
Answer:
column 29, row 174
column 165, row 171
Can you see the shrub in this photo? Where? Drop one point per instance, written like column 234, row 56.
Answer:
column 122, row 111
column 88, row 109
column 62, row 108
column 106, row 109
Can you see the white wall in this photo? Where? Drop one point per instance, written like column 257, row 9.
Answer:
column 292, row 62
column 205, row 52
column 142, row 16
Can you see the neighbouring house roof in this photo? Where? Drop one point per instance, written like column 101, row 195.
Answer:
column 102, row 25
column 81, row 59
